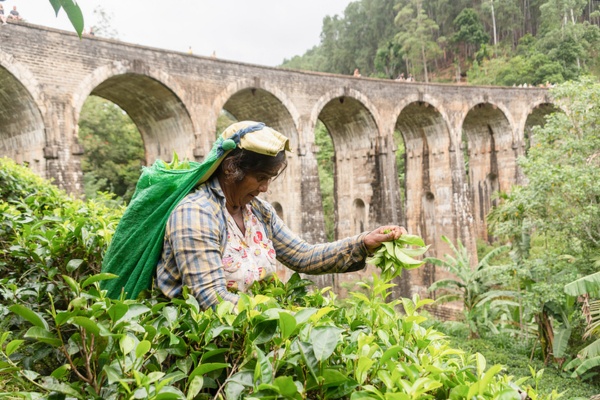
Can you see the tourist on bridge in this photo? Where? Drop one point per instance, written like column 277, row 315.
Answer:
column 222, row 237
column 2, row 16
column 14, row 14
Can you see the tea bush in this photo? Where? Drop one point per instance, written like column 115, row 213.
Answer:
column 63, row 338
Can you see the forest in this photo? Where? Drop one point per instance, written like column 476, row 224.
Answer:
column 484, row 42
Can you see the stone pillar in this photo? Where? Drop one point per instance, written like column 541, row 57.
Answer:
column 63, row 151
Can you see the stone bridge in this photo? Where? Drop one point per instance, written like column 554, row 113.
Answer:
column 461, row 142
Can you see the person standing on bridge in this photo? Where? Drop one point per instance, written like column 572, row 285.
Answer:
column 2, row 16
column 222, row 237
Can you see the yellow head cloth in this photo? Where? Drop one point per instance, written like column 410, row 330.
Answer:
column 248, row 135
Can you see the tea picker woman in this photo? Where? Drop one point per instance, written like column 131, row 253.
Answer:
column 221, row 237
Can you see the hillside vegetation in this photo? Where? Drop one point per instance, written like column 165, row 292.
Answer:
column 487, row 42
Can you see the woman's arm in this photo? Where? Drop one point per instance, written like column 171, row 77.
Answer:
column 344, row 255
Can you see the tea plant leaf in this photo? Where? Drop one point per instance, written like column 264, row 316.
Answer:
column 204, row 369
column 333, row 377
column 53, row 385
column 412, row 240
column 72, row 283
column 117, row 310
column 324, row 340
column 287, row 324
column 194, row 387
column 29, row 315
column 127, row 344
column 12, row 346
column 263, row 370
column 97, row 278
column 42, row 335
column 86, row 324
column 73, row 264
column 237, row 383
column 61, row 371
column 286, row 386
column 142, row 348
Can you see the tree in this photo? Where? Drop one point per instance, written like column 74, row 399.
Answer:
column 469, row 32
column 113, row 147
column 555, row 219
column 326, row 176
column 417, row 35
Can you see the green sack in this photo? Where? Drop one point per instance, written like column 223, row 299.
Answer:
column 138, row 240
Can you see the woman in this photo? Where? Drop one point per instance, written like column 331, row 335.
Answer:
column 222, row 237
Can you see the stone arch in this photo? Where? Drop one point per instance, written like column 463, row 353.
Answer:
column 427, row 144
column 159, row 113
column 429, row 200
column 256, row 100
column 536, row 117
column 354, row 133
column 341, row 94
column 359, row 216
column 22, row 128
column 489, row 136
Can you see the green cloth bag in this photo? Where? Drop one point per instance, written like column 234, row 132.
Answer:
column 138, row 240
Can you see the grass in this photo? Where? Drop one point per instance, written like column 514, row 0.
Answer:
column 514, row 354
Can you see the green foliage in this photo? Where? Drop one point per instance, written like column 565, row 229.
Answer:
column 560, row 201
column 475, row 287
column 114, row 152
column 417, row 36
column 469, row 31
column 395, row 256
column 589, row 357
column 553, row 222
column 283, row 342
column 516, row 354
column 73, row 12
column 260, row 349
column 564, row 47
column 325, row 164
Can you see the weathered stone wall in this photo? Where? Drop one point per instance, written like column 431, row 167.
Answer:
column 174, row 99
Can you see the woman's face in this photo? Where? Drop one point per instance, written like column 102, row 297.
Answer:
column 253, row 184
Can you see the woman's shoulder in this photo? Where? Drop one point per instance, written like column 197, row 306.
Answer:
column 204, row 197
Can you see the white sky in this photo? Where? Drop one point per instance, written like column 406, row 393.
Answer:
column 262, row 32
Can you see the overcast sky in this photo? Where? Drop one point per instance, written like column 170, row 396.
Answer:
column 262, row 32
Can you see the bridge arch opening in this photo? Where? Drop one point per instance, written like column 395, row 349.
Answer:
column 359, row 216
column 159, row 114
column 22, row 131
column 113, row 150
column 489, row 143
column 353, row 132
column 537, row 117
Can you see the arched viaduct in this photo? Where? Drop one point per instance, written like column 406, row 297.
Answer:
column 174, row 99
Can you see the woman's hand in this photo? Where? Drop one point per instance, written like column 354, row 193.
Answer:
column 375, row 238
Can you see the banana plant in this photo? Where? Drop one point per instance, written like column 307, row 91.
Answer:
column 589, row 357
column 471, row 286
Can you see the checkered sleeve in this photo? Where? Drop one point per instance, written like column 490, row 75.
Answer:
column 346, row 255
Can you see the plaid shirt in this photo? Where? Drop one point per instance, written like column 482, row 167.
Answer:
column 196, row 235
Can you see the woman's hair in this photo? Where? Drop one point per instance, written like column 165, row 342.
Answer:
column 240, row 162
